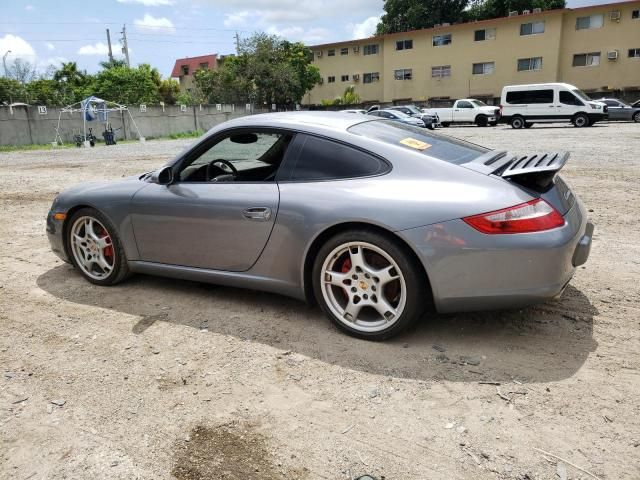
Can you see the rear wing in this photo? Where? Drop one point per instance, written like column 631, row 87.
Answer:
column 538, row 168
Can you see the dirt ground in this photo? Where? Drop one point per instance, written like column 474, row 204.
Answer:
column 159, row 379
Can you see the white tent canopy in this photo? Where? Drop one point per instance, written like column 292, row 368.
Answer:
column 93, row 108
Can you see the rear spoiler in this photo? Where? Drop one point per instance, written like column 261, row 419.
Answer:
column 538, row 168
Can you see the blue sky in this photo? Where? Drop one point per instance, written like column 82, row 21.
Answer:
column 159, row 31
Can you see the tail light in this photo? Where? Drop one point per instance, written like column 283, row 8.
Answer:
column 534, row 216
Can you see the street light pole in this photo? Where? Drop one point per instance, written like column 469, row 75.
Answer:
column 4, row 62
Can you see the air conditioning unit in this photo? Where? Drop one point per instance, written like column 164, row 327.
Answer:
column 537, row 10
column 356, row 49
column 526, row 12
column 319, row 53
column 356, row 77
column 445, row 24
column 614, row 16
column 513, row 13
column 612, row 55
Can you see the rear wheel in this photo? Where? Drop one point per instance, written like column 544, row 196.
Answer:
column 636, row 117
column 581, row 120
column 517, row 122
column 367, row 285
column 95, row 249
column 445, row 124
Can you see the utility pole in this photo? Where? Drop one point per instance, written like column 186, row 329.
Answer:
column 237, row 44
column 125, row 46
column 4, row 63
column 109, row 43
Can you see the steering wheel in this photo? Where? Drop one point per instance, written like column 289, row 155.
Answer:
column 234, row 170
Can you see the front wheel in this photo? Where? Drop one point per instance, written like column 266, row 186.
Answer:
column 581, row 120
column 636, row 117
column 517, row 123
column 95, row 249
column 482, row 121
column 367, row 285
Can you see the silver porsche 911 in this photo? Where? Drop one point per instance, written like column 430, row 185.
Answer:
column 374, row 220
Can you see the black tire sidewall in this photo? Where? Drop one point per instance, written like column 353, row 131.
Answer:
column 517, row 123
column 416, row 287
column 482, row 121
column 583, row 116
column 636, row 117
column 120, row 269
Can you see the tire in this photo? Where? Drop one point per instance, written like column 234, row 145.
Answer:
column 517, row 123
column 446, row 124
column 431, row 127
column 528, row 125
column 581, row 120
column 482, row 121
column 97, row 253
column 636, row 117
column 371, row 275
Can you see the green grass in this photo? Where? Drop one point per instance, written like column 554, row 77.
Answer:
column 46, row 146
column 194, row 134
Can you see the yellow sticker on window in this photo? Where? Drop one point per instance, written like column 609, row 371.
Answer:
column 413, row 143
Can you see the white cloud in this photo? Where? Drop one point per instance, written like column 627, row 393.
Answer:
column 365, row 29
column 236, row 19
column 19, row 47
column 50, row 46
column 98, row 48
column 29, row 8
column 306, row 35
column 149, row 3
column 159, row 24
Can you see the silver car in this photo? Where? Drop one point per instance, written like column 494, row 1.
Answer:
column 397, row 116
column 618, row 110
column 375, row 220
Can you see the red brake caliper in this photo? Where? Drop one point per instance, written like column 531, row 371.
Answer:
column 346, row 266
column 108, row 250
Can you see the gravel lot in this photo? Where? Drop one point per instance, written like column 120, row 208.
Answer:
column 158, row 378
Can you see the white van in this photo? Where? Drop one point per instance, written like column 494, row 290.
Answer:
column 523, row 105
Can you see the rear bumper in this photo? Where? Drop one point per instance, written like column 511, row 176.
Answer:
column 470, row 271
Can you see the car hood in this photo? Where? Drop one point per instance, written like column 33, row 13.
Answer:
column 95, row 193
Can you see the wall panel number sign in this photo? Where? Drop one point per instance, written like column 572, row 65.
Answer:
column 143, row 108
column 42, row 110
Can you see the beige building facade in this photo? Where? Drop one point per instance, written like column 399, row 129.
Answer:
column 596, row 48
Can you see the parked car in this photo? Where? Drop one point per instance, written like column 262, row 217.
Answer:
column 467, row 110
column 430, row 119
column 398, row 117
column 618, row 110
column 636, row 104
column 524, row 105
column 354, row 110
column 375, row 220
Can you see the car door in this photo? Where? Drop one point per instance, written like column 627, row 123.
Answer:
column 220, row 222
column 569, row 104
column 463, row 112
column 542, row 105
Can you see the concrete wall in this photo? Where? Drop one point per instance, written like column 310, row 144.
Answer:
column 557, row 45
column 27, row 126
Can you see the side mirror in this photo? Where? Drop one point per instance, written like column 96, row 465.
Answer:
column 163, row 176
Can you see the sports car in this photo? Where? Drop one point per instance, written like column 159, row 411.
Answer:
column 376, row 221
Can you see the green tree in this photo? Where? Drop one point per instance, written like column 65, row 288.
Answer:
column 403, row 15
column 486, row 9
column 169, row 90
column 11, row 91
column 128, row 86
column 44, row 91
column 349, row 97
column 73, row 84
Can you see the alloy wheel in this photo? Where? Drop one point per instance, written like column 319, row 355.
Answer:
column 363, row 287
column 92, row 248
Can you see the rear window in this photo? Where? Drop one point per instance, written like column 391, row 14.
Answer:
column 420, row 140
column 530, row 96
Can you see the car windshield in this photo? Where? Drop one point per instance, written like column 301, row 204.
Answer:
column 399, row 114
column 412, row 109
column 580, row 94
column 434, row 145
column 478, row 103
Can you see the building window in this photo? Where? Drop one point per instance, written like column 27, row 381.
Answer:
column 371, row 77
column 635, row 14
column 344, row 78
column 185, row 69
column 204, row 66
column 371, row 49
column 403, row 74
column 593, row 21
column 484, row 34
column 331, row 53
column 586, row 59
column 440, row 40
column 634, row 53
column 441, row 71
column 527, row 64
column 532, row 28
column 331, row 79
column 485, row 68
column 344, row 51
column 404, row 44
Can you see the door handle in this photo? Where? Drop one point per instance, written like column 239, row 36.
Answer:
column 257, row 213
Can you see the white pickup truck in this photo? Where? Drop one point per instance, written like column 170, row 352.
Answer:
column 467, row 110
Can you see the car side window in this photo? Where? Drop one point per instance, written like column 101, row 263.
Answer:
column 465, row 105
column 323, row 159
column 569, row 98
column 239, row 156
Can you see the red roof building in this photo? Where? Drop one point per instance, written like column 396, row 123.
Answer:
column 184, row 68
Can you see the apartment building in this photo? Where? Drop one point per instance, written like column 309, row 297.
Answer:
column 596, row 48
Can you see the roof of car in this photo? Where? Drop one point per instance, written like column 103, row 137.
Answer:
column 338, row 121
